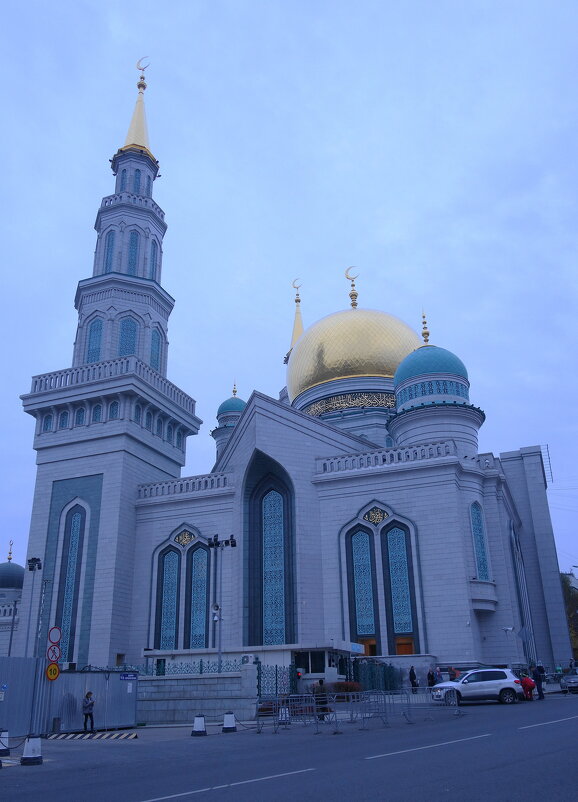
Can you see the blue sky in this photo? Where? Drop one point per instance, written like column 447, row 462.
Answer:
column 432, row 145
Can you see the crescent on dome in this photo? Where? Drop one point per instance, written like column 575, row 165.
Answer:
column 348, row 277
column 139, row 66
column 295, row 285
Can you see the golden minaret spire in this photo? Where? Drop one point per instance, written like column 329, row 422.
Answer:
column 298, row 322
column 353, row 292
column 424, row 329
column 137, row 135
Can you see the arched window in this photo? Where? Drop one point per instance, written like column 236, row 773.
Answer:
column 168, row 589
column 94, row 340
column 79, row 416
column 138, row 413
column 361, row 581
column 133, row 253
column 123, row 181
column 109, row 252
column 197, row 599
column 273, row 569
column 159, row 427
column 149, row 186
column 479, row 536
column 69, row 584
column 153, row 260
column 113, row 410
column 399, row 590
column 170, row 433
column 149, row 421
column 136, row 183
column 155, row 350
column 97, row 413
column 63, row 420
column 128, row 336
column 179, row 439
column 47, row 423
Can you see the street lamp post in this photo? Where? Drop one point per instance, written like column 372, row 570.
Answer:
column 217, row 608
column 34, row 565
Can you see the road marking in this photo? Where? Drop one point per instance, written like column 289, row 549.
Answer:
column 543, row 724
column 430, row 746
column 227, row 785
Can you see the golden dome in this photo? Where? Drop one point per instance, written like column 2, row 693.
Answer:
column 355, row 342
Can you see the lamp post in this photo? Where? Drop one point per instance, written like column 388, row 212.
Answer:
column 217, row 607
column 34, row 565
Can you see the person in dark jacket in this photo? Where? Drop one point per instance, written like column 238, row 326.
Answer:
column 431, row 678
column 413, row 679
column 87, row 708
column 537, row 676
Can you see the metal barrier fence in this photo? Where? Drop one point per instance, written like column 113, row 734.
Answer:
column 333, row 710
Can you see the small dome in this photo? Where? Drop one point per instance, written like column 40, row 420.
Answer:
column 429, row 359
column 351, row 343
column 232, row 405
column 11, row 575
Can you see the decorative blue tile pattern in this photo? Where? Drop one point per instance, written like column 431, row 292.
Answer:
column 169, row 603
column 199, row 575
column 132, row 253
column 94, row 340
column 399, row 580
column 155, row 350
column 362, row 583
column 435, row 387
column 128, row 336
column 109, row 252
column 136, row 182
column 479, row 535
column 70, row 586
column 273, row 569
column 153, row 261
column 123, row 181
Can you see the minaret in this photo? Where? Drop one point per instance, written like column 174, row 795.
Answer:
column 106, row 425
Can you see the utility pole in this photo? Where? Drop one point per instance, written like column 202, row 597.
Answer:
column 217, row 608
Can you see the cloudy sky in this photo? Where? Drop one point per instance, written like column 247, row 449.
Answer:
column 432, row 145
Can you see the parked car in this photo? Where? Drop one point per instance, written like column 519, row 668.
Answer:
column 500, row 684
column 569, row 681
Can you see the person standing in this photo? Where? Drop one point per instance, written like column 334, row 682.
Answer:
column 413, row 679
column 87, row 709
column 537, row 677
column 431, row 678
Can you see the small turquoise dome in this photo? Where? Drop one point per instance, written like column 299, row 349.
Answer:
column 11, row 575
column 429, row 359
column 232, row 405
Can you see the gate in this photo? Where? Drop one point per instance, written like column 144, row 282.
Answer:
column 276, row 680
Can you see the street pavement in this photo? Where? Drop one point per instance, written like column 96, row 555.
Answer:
column 526, row 751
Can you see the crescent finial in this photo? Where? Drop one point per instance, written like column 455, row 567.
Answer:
column 139, row 66
column 347, row 276
column 295, row 285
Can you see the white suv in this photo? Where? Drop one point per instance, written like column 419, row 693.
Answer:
column 483, row 683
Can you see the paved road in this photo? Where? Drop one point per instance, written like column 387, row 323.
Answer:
column 522, row 752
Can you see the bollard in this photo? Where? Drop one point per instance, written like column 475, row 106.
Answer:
column 4, row 749
column 32, row 755
column 199, row 726
column 229, row 722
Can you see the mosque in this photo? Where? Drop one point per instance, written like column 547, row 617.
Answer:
column 353, row 515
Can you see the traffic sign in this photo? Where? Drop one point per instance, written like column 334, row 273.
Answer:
column 52, row 671
column 53, row 653
column 129, row 675
column 54, row 634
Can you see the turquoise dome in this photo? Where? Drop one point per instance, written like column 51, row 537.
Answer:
column 11, row 575
column 232, row 405
column 429, row 359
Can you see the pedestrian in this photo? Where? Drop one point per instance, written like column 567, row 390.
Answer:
column 413, row 679
column 528, row 686
column 439, row 675
column 537, row 677
column 87, row 708
column 320, row 696
column 431, row 678
column 452, row 673
column 572, row 663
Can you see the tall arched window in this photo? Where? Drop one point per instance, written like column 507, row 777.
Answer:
column 97, row 413
column 159, row 427
column 94, row 340
column 479, row 536
column 128, row 337
column 149, row 421
column 363, row 615
column 155, row 350
column 153, row 260
column 273, row 568
column 109, row 252
column 47, row 423
column 123, row 181
column 133, row 253
column 170, row 433
column 197, row 603
column 137, row 413
column 149, row 185
column 168, row 589
column 179, row 439
column 79, row 416
column 136, row 183
column 63, row 420
column 113, row 410
column 69, row 584
column 399, row 589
